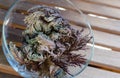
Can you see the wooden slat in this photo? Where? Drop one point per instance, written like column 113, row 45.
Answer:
column 107, row 63
column 86, row 7
column 112, row 3
column 88, row 72
column 108, row 25
column 15, row 22
column 105, row 25
column 2, row 57
column 13, row 34
column 106, row 59
column 7, row 2
column 3, row 65
column 104, row 63
column 7, row 69
column 105, row 67
column 109, row 57
column 91, row 72
column 103, row 10
column 103, row 39
column 108, row 40
column 96, row 23
column 99, row 38
column 4, row 75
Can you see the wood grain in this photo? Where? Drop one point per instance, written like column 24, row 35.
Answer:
column 104, row 63
column 88, row 72
column 105, row 25
column 91, row 72
column 84, row 6
column 7, row 69
column 5, row 75
column 107, row 57
column 108, row 40
column 101, row 38
column 111, row 3
column 103, row 10
column 108, row 25
column 106, row 31
column 87, row 7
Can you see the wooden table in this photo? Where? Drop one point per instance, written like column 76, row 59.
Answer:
column 104, row 16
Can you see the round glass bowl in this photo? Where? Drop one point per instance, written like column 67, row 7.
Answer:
column 14, row 25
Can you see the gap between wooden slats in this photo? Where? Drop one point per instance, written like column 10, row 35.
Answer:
column 106, row 65
column 103, row 58
column 86, row 7
column 89, row 72
column 17, row 34
column 3, row 69
column 105, row 25
column 12, row 38
column 102, row 65
column 114, row 44
column 90, row 8
column 99, row 39
column 102, row 38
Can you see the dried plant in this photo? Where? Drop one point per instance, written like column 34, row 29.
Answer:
column 48, row 43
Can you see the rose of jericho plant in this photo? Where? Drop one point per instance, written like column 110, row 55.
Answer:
column 48, row 43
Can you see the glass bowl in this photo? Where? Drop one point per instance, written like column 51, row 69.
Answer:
column 14, row 25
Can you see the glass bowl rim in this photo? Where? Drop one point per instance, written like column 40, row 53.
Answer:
column 6, row 20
